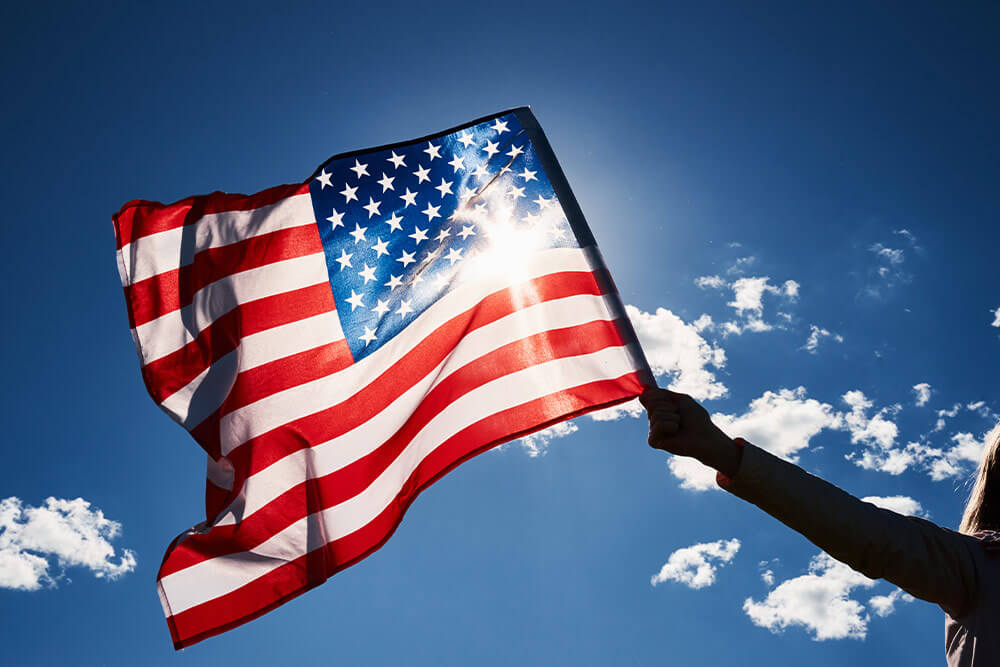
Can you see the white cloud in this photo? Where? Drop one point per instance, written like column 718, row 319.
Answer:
column 883, row 605
column 748, row 294
column 893, row 256
column 781, row 422
column 818, row 601
column 923, row 393
column 748, row 301
column 628, row 409
column 695, row 566
column 816, row 334
column 677, row 349
column 713, row 282
column 876, row 430
column 900, row 504
column 536, row 443
column 996, row 317
column 767, row 576
column 67, row 530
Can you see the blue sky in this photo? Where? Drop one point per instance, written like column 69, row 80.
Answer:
column 709, row 147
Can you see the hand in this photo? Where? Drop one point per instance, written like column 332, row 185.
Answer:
column 679, row 425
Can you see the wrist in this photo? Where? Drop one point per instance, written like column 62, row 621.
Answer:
column 725, row 475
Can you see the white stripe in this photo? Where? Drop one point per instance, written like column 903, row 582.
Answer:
column 325, row 458
column 254, row 350
column 169, row 333
column 168, row 250
column 305, row 399
column 216, row 577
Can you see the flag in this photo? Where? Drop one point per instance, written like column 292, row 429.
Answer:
column 337, row 345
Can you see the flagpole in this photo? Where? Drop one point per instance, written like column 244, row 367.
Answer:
column 578, row 223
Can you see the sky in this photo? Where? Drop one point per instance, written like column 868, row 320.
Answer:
column 798, row 204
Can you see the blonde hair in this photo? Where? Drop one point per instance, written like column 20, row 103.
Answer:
column 982, row 512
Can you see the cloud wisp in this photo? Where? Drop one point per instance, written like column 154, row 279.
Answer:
column 922, row 392
column 695, row 566
column 904, row 505
column 68, row 532
column 818, row 334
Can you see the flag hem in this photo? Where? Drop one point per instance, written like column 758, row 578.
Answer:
column 194, row 639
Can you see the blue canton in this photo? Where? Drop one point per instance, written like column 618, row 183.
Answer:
column 400, row 226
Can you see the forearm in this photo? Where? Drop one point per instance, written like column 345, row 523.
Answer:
column 927, row 561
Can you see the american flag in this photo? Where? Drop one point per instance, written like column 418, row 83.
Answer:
column 336, row 346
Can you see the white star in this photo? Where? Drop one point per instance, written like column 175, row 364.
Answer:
column 372, row 207
column 368, row 273
column 355, row 301
column 480, row 209
column 397, row 161
column 467, row 193
column 368, row 336
column 431, row 212
column 500, row 127
column 434, row 254
column 481, row 171
column 360, row 169
column 544, row 203
column 528, row 175
column 406, row 258
column 515, row 193
column 467, row 231
column 454, row 255
column 466, row 139
column 394, row 282
column 381, row 308
column 421, row 174
column 418, row 234
column 557, row 232
column 380, row 248
column 444, row 188
column 409, row 198
column 416, row 279
column 514, row 152
column 386, row 182
column 458, row 163
column 337, row 219
column 432, row 151
column 404, row 308
column 504, row 169
column 358, row 233
column 491, row 149
column 348, row 193
column 344, row 259
column 393, row 223
column 445, row 233
column 324, row 179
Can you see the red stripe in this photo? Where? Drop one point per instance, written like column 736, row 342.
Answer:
column 171, row 290
column 263, row 450
column 140, row 218
column 173, row 371
column 270, row 378
column 343, row 484
column 308, row 571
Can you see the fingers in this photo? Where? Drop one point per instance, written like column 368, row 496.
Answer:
column 663, row 425
column 661, row 433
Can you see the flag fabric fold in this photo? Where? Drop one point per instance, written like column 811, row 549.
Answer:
column 337, row 345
